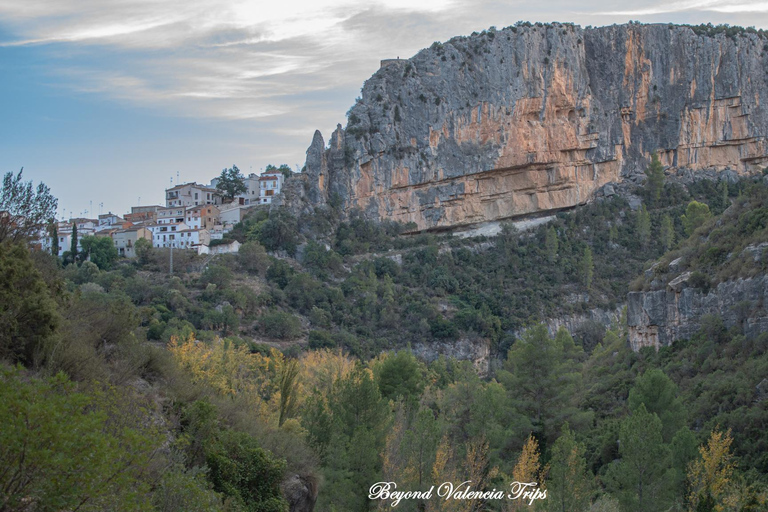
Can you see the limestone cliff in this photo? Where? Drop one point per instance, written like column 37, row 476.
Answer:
column 534, row 118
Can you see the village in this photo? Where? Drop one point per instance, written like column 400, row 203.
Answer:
column 195, row 217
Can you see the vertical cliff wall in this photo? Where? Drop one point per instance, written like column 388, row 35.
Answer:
column 535, row 118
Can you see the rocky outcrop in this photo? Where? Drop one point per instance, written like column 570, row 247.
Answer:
column 536, row 118
column 464, row 349
column 657, row 318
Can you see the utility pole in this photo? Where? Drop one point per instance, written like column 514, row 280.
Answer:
column 171, row 258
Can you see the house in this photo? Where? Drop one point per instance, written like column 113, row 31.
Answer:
column 203, row 217
column 164, row 235
column 173, row 215
column 125, row 240
column 145, row 214
column 232, row 213
column 191, row 194
column 270, row 184
column 110, row 220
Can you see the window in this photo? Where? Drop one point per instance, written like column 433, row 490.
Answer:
column 195, row 196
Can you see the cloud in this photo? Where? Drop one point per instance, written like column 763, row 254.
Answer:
column 694, row 5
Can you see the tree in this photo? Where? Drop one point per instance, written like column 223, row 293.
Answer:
column 541, row 375
column 65, row 450
column 53, row 232
column 240, row 468
column 551, row 244
column 696, row 214
column 143, row 250
column 253, row 258
column 99, row 250
column 29, row 316
column 711, row 475
column 639, row 479
column 569, row 481
column 643, row 226
column 654, row 184
column 24, row 211
column 73, row 245
column 587, row 268
column 667, row 233
column 659, row 395
column 399, row 376
column 284, row 169
column 231, row 183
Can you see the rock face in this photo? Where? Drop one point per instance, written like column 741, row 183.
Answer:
column 536, row 118
column 657, row 318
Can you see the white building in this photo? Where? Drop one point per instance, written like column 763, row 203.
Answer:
column 178, row 236
column 173, row 215
column 270, row 184
column 191, row 194
column 110, row 220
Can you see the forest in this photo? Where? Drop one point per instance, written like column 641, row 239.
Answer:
column 282, row 377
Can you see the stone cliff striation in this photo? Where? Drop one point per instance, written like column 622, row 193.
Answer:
column 658, row 318
column 536, row 118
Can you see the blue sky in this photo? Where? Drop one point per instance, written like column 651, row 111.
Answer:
column 106, row 100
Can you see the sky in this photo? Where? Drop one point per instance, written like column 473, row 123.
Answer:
column 107, row 101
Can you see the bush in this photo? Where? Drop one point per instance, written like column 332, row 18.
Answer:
column 280, row 325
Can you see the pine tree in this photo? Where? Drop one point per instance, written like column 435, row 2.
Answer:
column 73, row 247
column 53, row 232
column 643, row 226
column 667, row 234
column 696, row 214
column 639, row 479
column 587, row 268
column 569, row 483
column 551, row 244
column 655, row 181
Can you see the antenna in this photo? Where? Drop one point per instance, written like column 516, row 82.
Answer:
column 139, row 201
column 177, row 177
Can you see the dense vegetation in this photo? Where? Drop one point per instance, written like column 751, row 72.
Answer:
column 250, row 381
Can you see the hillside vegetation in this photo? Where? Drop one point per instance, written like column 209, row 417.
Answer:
column 263, row 380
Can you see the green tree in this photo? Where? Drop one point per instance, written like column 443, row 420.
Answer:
column 143, row 250
column 29, row 316
column 53, row 232
column 541, row 376
column 696, row 214
column 100, row 250
column 654, row 183
column 643, row 226
column 278, row 232
column 587, row 265
column 400, row 376
column 667, row 233
column 284, row 169
column 253, row 258
column 73, row 245
column 65, row 450
column 231, row 183
column 639, row 478
column 570, row 483
column 551, row 244
column 659, row 395
column 240, row 468
column 24, row 210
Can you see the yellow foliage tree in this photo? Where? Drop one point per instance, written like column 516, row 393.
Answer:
column 711, row 475
column 528, row 469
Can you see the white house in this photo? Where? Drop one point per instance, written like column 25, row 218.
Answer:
column 191, row 194
column 173, row 215
column 270, row 184
column 164, row 235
